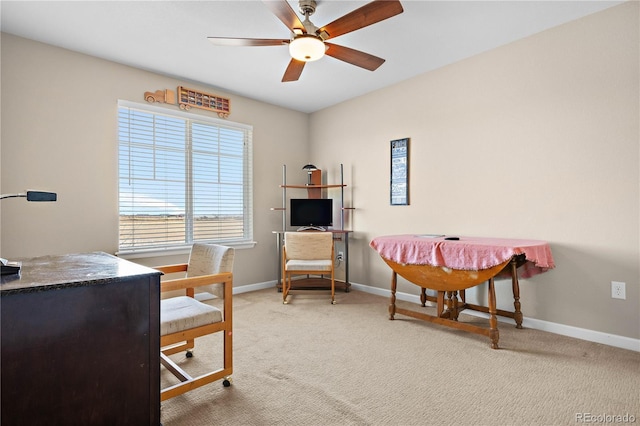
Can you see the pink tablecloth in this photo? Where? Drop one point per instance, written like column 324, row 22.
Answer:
column 468, row 253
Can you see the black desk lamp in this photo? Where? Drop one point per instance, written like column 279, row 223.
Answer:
column 33, row 196
column 8, row 267
column 309, row 168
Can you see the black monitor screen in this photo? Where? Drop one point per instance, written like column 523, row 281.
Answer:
column 311, row 212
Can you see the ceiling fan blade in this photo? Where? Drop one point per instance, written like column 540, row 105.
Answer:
column 227, row 41
column 370, row 13
column 286, row 14
column 293, row 71
column 354, row 57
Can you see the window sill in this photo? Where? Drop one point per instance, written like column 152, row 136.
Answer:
column 173, row 251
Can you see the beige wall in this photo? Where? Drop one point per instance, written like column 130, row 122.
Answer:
column 59, row 122
column 537, row 139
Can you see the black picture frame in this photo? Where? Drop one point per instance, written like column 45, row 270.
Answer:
column 399, row 173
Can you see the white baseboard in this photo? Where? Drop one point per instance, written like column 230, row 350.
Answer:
column 254, row 287
column 536, row 324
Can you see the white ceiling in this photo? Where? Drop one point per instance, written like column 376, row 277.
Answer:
column 170, row 37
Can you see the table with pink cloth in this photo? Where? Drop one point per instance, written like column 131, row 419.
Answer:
column 451, row 266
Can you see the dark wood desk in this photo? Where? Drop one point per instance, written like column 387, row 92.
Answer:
column 80, row 342
column 452, row 266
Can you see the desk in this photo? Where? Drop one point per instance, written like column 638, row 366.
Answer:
column 80, row 342
column 316, row 283
column 452, row 266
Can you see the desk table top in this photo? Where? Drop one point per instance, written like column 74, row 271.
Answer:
column 71, row 270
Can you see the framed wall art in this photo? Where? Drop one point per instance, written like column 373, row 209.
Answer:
column 399, row 190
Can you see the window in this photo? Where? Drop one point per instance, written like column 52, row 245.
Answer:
column 182, row 178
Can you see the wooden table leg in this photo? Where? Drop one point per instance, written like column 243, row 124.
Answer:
column 452, row 306
column 517, row 314
column 494, row 334
column 440, row 304
column 392, row 302
column 448, row 305
column 456, row 308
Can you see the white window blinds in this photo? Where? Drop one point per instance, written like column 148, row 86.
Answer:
column 182, row 178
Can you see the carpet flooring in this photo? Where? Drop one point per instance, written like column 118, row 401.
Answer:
column 313, row 363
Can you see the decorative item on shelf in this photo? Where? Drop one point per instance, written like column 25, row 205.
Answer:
column 310, row 168
column 163, row 96
column 188, row 98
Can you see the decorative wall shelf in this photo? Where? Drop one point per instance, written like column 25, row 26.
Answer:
column 188, row 98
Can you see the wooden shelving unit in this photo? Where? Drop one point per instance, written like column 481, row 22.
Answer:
column 315, row 190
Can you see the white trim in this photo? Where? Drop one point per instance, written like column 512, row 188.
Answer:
column 584, row 334
column 143, row 249
column 254, row 287
column 176, row 251
column 536, row 324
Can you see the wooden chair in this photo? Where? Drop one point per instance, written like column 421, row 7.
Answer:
column 305, row 253
column 183, row 318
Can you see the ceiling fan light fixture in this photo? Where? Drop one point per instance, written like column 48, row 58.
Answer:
column 307, row 48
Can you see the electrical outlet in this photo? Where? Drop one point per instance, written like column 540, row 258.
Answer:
column 340, row 256
column 618, row 290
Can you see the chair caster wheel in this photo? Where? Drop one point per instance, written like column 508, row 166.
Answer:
column 226, row 383
column 189, row 354
column 333, row 302
column 284, row 302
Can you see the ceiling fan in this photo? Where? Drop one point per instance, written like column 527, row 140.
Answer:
column 308, row 42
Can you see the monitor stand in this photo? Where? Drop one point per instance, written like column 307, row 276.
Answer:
column 311, row 228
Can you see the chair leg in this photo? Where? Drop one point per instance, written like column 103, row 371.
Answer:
column 333, row 290
column 286, row 285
